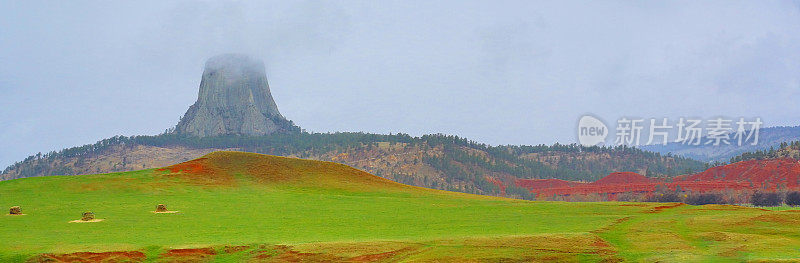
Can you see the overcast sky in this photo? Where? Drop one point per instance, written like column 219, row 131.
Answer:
column 73, row 72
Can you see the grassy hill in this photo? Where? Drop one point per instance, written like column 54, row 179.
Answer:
column 433, row 161
column 239, row 206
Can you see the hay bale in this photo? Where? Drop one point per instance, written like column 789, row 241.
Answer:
column 15, row 210
column 161, row 208
column 87, row 216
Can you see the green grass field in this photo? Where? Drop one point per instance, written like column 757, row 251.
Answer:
column 247, row 207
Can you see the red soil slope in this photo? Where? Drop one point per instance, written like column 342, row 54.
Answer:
column 498, row 183
column 535, row 184
column 756, row 174
column 623, row 178
column 229, row 168
column 771, row 174
column 612, row 183
column 125, row 256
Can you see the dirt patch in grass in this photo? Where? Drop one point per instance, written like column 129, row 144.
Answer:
column 125, row 256
column 332, row 252
column 200, row 171
column 608, row 227
column 487, row 249
column 294, row 256
column 733, row 252
column 355, row 249
column 87, row 221
column 602, row 244
column 658, row 241
column 636, row 205
column 729, row 208
column 659, row 209
column 380, row 256
column 189, row 254
column 196, row 166
column 165, row 212
column 715, row 236
column 548, row 247
column 235, row 249
column 778, row 218
column 283, row 253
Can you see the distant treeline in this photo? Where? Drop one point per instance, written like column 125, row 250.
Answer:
column 506, row 158
column 786, row 150
column 756, row 198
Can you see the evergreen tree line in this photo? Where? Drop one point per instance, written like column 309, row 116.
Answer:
column 755, row 198
column 785, row 150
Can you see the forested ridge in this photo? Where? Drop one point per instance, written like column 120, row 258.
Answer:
column 438, row 161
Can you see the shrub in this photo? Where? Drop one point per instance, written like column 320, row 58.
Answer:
column 519, row 192
column 766, row 199
column 793, row 199
column 704, row 199
column 628, row 197
column 669, row 197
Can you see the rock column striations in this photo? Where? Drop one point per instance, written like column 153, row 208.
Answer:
column 234, row 99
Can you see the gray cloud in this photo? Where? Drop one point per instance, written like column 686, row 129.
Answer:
column 513, row 72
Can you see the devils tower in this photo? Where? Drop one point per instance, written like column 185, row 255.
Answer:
column 234, row 99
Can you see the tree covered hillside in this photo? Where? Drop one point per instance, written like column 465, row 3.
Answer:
column 785, row 150
column 436, row 161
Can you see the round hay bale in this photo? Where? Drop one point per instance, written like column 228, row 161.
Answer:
column 161, row 208
column 87, row 216
column 15, row 210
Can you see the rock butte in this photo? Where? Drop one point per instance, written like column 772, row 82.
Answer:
column 234, row 98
